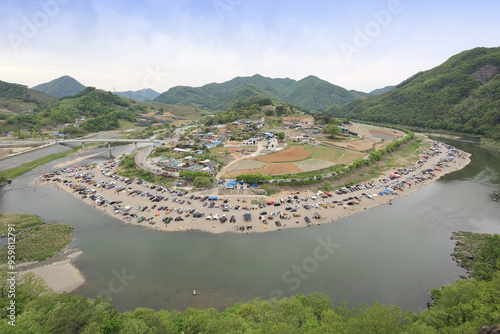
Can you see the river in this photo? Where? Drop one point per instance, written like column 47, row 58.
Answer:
column 392, row 254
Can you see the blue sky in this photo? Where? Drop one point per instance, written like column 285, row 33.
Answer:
column 131, row 45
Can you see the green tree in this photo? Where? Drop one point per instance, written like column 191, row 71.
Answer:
column 202, row 181
column 281, row 136
column 333, row 131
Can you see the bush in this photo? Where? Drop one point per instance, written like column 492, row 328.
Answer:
column 202, row 181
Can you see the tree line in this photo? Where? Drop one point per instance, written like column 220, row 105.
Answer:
column 463, row 307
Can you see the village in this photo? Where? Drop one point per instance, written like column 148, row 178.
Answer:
column 223, row 209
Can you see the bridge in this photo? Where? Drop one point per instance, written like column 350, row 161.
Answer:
column 108, row 141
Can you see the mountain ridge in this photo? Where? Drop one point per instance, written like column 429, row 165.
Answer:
column 462, row 94
column 19, row 98
column 61, row 87
column 309, row 92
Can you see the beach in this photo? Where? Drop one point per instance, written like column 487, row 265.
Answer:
column 106, row 191
column 58, row 272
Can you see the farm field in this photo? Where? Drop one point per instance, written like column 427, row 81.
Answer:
column 292, row 154
column 371, row 137
column 296, row 159
column 246, row 164
column 310, row 165
column 308, row 158
column 333, row 154
column 269, row 169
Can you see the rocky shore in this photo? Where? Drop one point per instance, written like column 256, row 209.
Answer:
column 459, row 254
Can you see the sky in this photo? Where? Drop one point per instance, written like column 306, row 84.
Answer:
column 132, row 45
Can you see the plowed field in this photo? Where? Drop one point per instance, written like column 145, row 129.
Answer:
column 293, row 154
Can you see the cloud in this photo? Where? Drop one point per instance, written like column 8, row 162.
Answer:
column 115, row 44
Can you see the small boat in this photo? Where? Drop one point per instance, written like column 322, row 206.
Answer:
column 194, row 292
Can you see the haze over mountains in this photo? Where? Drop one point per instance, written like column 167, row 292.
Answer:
column 462, row 94
column 143, row 95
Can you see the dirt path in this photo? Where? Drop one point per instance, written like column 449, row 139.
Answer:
column 238, row 158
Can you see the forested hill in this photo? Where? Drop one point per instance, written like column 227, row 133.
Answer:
column 61, row 87
column 19, row 98
column 310, row 93
column 462, row 94
column 101, row 111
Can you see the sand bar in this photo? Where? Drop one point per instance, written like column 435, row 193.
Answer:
column 58, row 272
column 437, row 162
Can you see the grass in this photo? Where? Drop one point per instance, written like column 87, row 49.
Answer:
column 20, row 220
column 219, row 151
column 491, row 144
column 400, row 159
column 124, row 124
column 331, row 154
column 39, row 242
column 24, row 168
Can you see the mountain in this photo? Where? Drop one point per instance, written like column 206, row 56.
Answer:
column 314, row 93
column 143, row 95
column 359, row 94
column 19, row 98
column 91, row 110
column 462, row 94
column 61, row 87
column 310, row 93
column 382, row 90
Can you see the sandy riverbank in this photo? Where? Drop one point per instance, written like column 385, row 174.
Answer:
column 75, row 161
column 58, row 272
column 328, row 214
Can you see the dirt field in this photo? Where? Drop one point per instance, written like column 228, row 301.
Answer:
column 303, row 119
column 310, row 165
column 356, row 144
column 269, row 169
column 246, row 164
column 293, row 154
column 390, row 135
column 373, row 137
column 309, row 158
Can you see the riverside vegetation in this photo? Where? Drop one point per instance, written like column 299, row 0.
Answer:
column 35, row 239
column 464, row 307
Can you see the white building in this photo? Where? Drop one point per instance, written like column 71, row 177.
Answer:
column 272, row 144
column 249, row 142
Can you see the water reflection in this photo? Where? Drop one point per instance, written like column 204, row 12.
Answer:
column 393, row 254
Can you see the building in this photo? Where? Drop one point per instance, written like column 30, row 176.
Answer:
column 272, row 144
column 249, row 142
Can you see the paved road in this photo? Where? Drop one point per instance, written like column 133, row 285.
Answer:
column 141, row 160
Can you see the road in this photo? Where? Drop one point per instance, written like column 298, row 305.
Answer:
column 141, row 160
